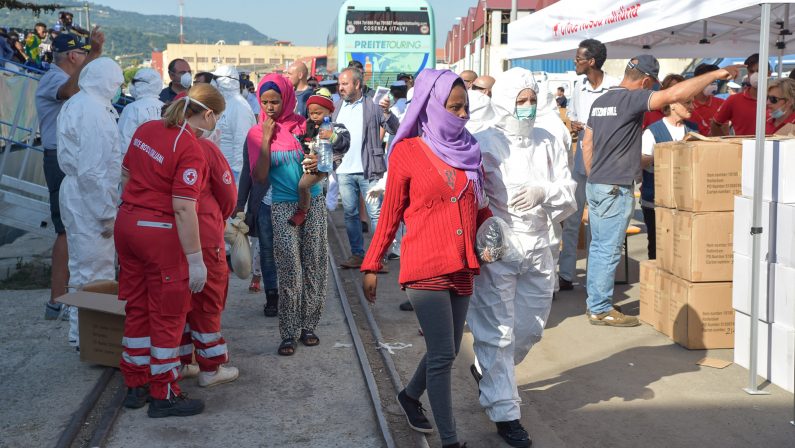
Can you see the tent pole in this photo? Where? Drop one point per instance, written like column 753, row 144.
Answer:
column 756, row 227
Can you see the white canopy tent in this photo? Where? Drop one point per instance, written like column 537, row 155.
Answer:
column 664, row 28
column 682, row 28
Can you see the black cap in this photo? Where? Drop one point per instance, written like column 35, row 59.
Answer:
column 68, row 42
column 647, row 64
column 404, row 76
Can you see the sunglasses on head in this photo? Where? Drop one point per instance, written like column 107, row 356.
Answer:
column 775, row 99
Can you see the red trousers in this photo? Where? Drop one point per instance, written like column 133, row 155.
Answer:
column 203, row 327
column 153, row 278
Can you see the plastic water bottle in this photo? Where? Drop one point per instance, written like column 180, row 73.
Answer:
column 325, row 162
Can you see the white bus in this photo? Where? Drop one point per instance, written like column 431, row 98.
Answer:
column 387, row 37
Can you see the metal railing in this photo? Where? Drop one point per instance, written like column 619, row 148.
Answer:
column 24, row 197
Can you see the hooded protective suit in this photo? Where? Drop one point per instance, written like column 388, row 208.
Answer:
column 511, row 303
column 145, row 88
column 236, row 120
column 481, row 114
column 548, row 119
column 89, row 153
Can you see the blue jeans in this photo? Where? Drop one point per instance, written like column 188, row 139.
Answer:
column 352, row 187
column 609, row 209
column 265, row 234
column 571, row 232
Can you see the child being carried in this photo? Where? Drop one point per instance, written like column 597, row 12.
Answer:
column 318, row 106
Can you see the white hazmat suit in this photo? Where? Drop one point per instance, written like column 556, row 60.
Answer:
column 511, row 301
column 145, row 88
column 236, row 120
column 548, row 118
column 89, row 153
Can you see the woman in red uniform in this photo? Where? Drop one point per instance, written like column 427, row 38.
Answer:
column 203, row 329
column 157, row 239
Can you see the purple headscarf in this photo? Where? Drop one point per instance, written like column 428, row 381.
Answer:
column 444, row 132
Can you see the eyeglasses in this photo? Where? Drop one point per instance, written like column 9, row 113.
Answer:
column 775, row 99
column 579, row 59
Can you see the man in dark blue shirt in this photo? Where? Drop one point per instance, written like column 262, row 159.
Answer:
column 612, row 152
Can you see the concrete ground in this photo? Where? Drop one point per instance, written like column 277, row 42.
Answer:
column 592, row 386
column 43, row 380
column 581, row 386
column 317, row 398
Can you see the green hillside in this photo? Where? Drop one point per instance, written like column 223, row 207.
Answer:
column 131, row 32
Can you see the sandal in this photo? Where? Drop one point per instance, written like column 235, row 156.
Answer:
column 287, row 347
column 309, row 338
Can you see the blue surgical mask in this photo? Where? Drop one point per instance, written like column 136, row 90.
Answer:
column 526, row 112
column 116, row 97
column 777, row 113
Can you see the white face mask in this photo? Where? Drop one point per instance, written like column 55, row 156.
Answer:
column 203, row 132
column 753, row 79
column 207, row 133
column 710, row 90
column 186, row 80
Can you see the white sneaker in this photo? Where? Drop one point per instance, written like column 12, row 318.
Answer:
column 189, row 371
column 222, row 375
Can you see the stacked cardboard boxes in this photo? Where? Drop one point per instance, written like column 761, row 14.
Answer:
column 687, row 293
column 776, row 324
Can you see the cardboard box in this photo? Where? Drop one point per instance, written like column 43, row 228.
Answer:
column 662, row 297
column 741, row 291
column 785, row 234
column 648, row 288
column 702, row 247
column 742, row 344
column 777, row 179
column 743, row 221
column 663, row 174
column 101, row 325
column 664, row 237
column 700, row 314
column 706, row 175
column 782, row 356
column 784, row 295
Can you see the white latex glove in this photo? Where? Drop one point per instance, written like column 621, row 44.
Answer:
column 376, row 191
column 528, row 197
column 107, row 227
column 197, row 272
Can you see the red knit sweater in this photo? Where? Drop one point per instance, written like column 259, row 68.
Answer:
column 440, row 227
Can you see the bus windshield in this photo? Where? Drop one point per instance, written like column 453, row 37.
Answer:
column 386, row 41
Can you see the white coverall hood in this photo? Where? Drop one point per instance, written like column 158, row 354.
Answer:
column 228, row 80
column 89, row 154
column 481, row 114
column 146, row 83
column 506, row 89
column 147, row 106
column 237, row 119
column 101, row 78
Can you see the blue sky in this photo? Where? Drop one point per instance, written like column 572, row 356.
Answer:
column 304, row 22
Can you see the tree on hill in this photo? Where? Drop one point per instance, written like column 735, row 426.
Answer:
column 35, row 7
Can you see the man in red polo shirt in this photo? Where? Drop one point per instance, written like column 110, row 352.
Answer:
column 739, row 110
column 706, row 105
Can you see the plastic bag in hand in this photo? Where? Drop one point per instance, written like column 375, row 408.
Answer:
column 240, row 254
column 496, row 241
